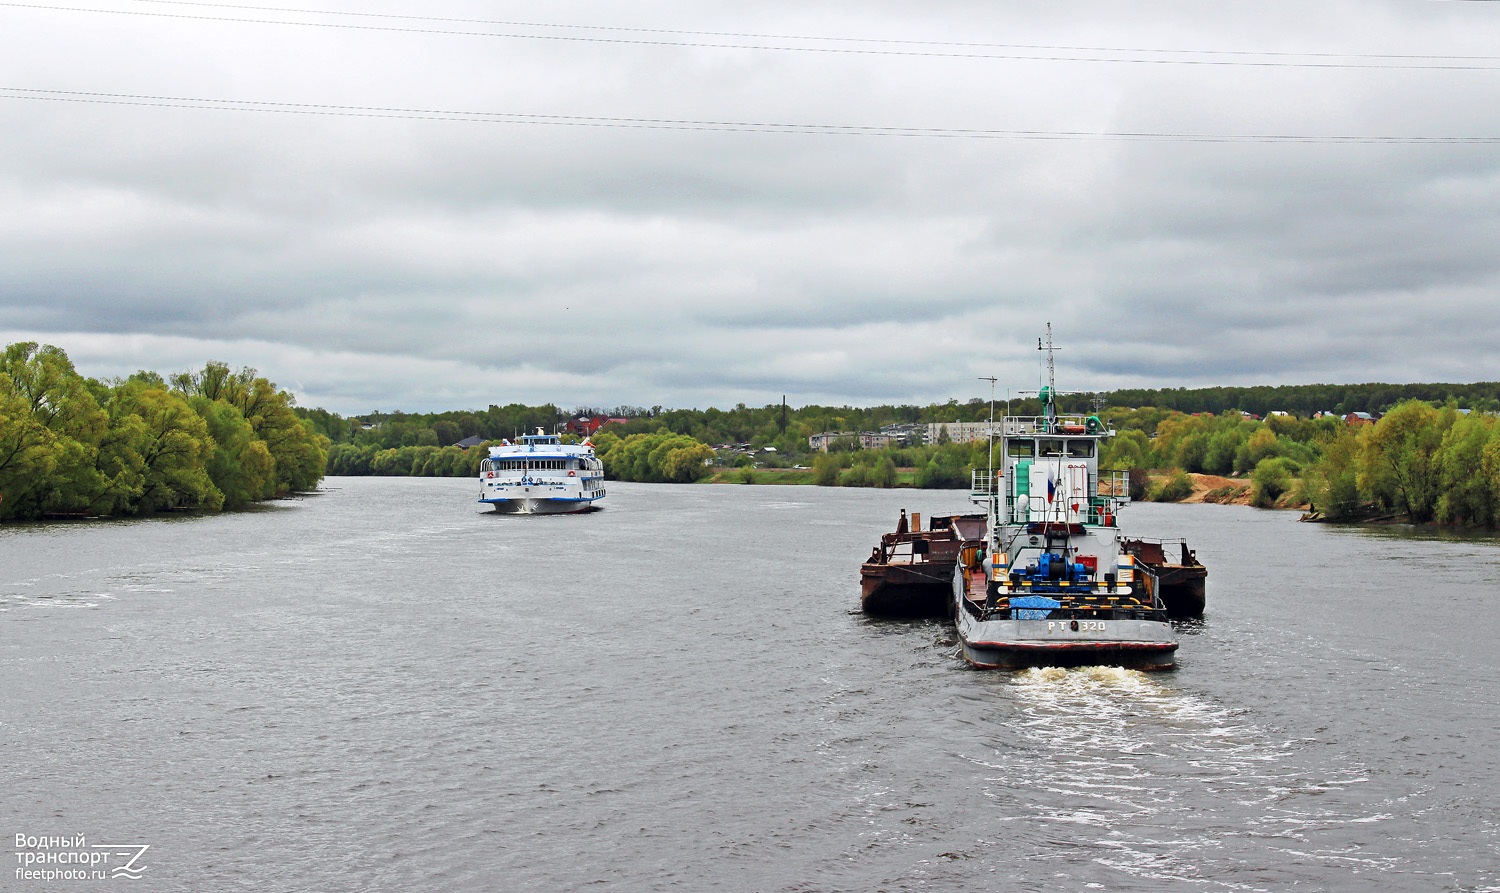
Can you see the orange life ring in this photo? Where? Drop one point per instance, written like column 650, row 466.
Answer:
column 491, row 474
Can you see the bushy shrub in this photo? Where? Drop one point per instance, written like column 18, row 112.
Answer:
column 1271, row 478
column 1174, row 489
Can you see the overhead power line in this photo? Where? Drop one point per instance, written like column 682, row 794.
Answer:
column 432, row 114
column 812, row 44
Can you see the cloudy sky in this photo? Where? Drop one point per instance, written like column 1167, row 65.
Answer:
column 447, row 204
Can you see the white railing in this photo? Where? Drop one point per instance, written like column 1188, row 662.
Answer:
column 1062, row 424
column 1110, row 489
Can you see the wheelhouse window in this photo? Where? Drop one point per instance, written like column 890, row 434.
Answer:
column 1080, row 449
column 1019, row 447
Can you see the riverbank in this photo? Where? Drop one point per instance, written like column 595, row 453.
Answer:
column 1207, row 488
column 1218, row 490
column 906, row 478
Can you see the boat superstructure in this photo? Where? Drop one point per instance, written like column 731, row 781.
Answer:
column 541, row 475
column 1050, row 581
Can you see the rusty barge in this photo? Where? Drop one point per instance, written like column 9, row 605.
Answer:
column 1182, row 587
column 910, row 572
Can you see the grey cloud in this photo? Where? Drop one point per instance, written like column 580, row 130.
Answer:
column 436, row 264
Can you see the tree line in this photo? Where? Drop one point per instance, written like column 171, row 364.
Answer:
column 1347, row 472
column 787, row 429
column 217, row 438
column 1422, row 462
column 210, row 439
column 1311, row 399
column 654, row 457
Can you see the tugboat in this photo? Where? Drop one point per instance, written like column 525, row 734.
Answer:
column 910, row 573
column 1049, row 581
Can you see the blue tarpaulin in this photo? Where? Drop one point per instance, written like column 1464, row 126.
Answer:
column 1033, row 607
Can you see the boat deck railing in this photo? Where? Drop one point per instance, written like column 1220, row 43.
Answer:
column 1058, row 424
column 1154, row 551
column 1111, row 489
column 1090, row 606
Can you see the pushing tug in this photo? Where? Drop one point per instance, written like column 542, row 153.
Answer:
column 541, row 475
column 1049, row 581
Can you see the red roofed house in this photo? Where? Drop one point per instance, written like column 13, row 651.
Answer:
column 588, row 424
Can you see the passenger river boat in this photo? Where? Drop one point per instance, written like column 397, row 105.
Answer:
column 541, row 475
column 1050, row 581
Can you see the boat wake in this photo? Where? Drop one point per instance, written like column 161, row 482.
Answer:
column 1150, row 780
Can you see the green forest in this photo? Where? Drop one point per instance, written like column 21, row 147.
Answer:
column 206, row 440
column 1419, row 461
column 1435, row 456
column 216, row 438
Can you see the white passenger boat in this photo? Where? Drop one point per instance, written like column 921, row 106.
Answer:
column 1049, row 582
column 541, row 475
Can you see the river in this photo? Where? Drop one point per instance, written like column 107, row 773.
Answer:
column 381, row 687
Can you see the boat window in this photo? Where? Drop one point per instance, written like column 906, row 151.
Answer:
column 1050, row 447
column 1081, row 449
column 1018, row 447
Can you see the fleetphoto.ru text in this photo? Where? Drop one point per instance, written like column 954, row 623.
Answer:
column 73, row 858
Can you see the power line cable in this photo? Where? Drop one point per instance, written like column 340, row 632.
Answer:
column 357, row 111
column 834, row 38
column 1019, row 52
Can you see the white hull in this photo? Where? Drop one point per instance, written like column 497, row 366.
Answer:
column 540, row 506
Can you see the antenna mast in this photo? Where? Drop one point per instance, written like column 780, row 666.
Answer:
column 1049, row 411
column 990, row 455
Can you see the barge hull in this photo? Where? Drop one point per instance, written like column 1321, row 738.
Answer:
column 895, row 590
column 1181, row 588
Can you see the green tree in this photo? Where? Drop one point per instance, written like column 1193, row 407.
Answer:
column 1468, row 490
column 241, row 468
column 826, row 469
column 1399, row 459
column 299, row 454
column 164, row 446
column 447, row 432
column 1127, row 449
column 49, row 444
column 1271, row 478
column 1334, row 480
column 1174, row 489
column 659, row 457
